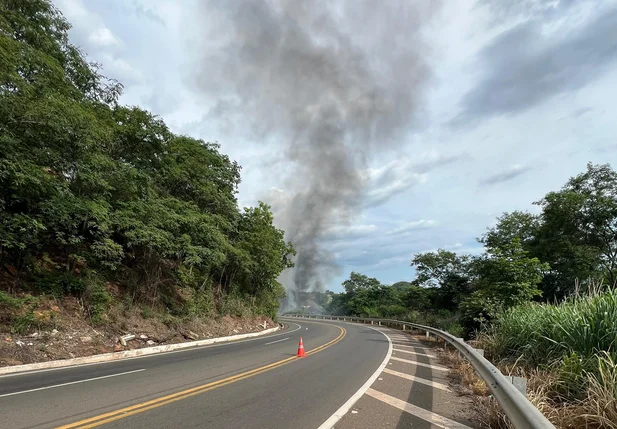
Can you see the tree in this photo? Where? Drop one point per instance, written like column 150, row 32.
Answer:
column 357, row 282
column 519, row 225
column 506, row 277
column 578, row 235
column 447, row 272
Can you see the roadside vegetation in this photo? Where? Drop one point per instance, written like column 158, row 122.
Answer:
column 541, row 299
column 103, row 207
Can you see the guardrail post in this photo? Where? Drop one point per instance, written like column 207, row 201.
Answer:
column 480, row 352
column 519, row 382
column 428, row 335
column 380, row 323
column 371, row 322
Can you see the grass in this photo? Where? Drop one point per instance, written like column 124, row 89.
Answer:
column 568, row 353
column 542, row 333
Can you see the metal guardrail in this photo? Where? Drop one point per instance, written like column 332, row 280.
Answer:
column 522, row 413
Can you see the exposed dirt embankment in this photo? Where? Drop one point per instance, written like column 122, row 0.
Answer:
column 60, row 331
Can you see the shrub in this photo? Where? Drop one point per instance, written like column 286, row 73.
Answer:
column 235, row 306
column 200, row 303
column 58, row 284
column 18, row 313
column 96, row 298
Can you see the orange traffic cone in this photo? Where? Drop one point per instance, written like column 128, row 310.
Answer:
column 301, row 349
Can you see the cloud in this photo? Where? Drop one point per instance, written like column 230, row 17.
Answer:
column 504, row 11
column 102, row 36
column 435, row 160
column 388, row 183
column 401, row 174
column 505, row 175
column 89, row 29
column 117, row 68
column 412, row 226
column 525, row 65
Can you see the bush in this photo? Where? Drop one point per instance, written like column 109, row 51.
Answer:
column 57, row 284
column 18, row 313
column 200, row 303
column 235, row 306
column 96, row 299
column 146, row 312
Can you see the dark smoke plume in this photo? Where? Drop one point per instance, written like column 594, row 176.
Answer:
column 335, row 82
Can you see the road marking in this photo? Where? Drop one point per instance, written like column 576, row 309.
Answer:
column 418, row 379
column 188, row 349
column 72, row 382
column 413, row 347
column 334, row 418
column 164, row 400
column 413, row 362
column 414, row 410
column 415, row 353
column 277, row 341
column 406, row 340
column 307, row 329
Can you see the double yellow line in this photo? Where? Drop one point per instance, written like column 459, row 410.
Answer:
column 164, row 400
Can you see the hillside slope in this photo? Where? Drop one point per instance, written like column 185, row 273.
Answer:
column 106, row 216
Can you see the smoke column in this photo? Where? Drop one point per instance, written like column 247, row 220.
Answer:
column 334, row 82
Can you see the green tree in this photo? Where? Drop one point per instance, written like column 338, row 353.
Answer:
column 357, row 282
column 578, row 235
column 506, row 277
column 449, row 274
column 519, row 225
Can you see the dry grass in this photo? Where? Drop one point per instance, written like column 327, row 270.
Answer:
column 597, row 411
column 464, row 373
column 602, row 394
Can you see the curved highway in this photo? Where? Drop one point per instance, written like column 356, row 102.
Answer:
column 256, row 383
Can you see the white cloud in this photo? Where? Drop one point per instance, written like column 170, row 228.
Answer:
column 412, row 226
column 102, row 36
column 117, row 68
column 390, row 180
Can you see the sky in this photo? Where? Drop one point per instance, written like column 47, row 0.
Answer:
column 483, row 107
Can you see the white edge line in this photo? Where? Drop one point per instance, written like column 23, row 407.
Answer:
column 334, row 418
column 277, row 341
column 123, row 359
column 71, row 382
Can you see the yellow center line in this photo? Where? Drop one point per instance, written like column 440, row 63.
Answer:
column 164, row 400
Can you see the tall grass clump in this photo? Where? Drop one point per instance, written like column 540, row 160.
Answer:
column 573, row 345
column 541, row 334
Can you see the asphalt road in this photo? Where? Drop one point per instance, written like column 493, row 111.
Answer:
column 256, row 383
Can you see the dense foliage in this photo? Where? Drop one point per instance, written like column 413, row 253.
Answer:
column 93, row 191
column 527, row 257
